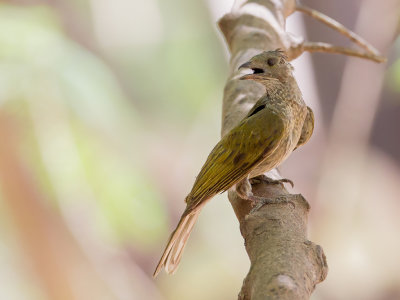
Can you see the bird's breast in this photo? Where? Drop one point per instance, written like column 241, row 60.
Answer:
column 286, row 144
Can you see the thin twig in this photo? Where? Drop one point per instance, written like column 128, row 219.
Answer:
column 339, row 28
column 325, row 47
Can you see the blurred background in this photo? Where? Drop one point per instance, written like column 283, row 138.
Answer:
column 108, row 109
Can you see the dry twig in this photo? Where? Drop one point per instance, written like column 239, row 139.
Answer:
column 370, row 51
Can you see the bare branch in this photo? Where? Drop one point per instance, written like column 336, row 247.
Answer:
column 329, row 48
column 284, row 264
column 339, row 28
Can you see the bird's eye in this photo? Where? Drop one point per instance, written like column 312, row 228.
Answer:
column 272, row 61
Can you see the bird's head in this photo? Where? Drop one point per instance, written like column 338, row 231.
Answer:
column 266, row 65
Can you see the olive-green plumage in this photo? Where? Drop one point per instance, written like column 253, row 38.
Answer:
column 278, row 123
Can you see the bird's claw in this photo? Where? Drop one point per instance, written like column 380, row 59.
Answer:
column 271, row 181
column 285, row 180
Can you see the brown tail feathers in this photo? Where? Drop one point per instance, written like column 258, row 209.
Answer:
column 177, row 242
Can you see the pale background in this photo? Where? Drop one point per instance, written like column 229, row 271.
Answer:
column 114, row 106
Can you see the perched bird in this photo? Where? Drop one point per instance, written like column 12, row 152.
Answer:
column 277, row 124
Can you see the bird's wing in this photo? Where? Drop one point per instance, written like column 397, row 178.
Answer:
column 308, row 128
column 243, row 148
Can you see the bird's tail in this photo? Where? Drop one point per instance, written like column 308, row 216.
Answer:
column 177, row 242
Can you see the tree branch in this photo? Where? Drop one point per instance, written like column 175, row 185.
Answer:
column 284, row 264
column 328, row 48
column 338, row 27
column 371, row 53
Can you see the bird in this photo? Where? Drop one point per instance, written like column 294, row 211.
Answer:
column 277, row 124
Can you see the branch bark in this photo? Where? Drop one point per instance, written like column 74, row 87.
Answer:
column 284, row 264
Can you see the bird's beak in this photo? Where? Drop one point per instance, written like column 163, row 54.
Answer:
column 255, row 71
column 245, row 65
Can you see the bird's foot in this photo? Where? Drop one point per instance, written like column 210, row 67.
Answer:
column 258, row 202
column 270, row 180
column 244, row 191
